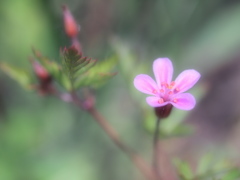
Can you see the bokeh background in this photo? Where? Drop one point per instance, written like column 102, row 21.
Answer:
column 42, row 138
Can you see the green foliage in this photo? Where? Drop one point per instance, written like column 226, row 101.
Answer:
column 81, row 71
column 74, row 64
column 98, row 75
column 209, row 167
column 77, row 71
column 22, row 76
column 54, row 69
column 233, row 174
column 184, row 170
column 204, row 164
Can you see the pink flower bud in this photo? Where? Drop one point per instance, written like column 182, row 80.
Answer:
column 70, row 25
column 40, row 71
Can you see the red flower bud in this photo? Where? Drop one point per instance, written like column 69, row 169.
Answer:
column 45, row 80
column 70, row 25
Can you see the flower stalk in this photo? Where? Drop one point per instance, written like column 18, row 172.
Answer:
column 156, row 150
column 165, row 94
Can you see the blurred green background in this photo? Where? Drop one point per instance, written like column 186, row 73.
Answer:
column 42, row 138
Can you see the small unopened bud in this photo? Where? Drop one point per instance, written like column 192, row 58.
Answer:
column 164, row 111
column 70, row 25
column 40, row 71
column 45, row 79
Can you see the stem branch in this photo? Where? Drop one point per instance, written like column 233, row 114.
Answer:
column 137, row 160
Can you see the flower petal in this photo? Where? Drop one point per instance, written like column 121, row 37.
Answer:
column 163, row 70
column 186, row 80
column 184, row 101
column 154, row 101
column 145, row 84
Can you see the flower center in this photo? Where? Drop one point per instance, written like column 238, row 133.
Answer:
column 167, row 90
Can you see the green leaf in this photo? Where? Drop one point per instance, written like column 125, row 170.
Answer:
column 184, row 170
column 77, row 70
column 233, row 174
column 54, row 69
column 215, row 166
column 23, row 77
column 205, row 164
column 75, row 64
column 64, row 81
column 97, row 75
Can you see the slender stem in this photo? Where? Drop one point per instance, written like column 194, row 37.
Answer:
column 156, row 150
column 137, row 160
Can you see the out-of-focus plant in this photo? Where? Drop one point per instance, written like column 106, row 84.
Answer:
column 78, row 72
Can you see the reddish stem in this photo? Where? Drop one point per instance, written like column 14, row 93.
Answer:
column 137, row 160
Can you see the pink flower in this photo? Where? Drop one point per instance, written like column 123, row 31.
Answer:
column 165, row 91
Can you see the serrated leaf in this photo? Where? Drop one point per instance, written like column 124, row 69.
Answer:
column 89, row 63
column 97, row 75
column 75, row 64
column 54, row 69
column 23, row 77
